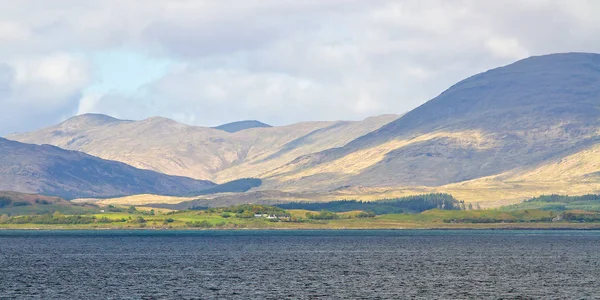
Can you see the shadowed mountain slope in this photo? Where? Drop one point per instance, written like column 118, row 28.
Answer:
column 537, row 91
column 518, row 116
column 53, row 171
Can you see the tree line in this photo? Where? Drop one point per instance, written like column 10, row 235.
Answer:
column 565, row 199
column 410, row 204
column 247, row 210
column 56, row 218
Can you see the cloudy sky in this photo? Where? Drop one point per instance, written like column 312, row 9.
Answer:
column 278, row 61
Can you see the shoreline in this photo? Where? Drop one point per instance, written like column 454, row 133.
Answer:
column 474, row 228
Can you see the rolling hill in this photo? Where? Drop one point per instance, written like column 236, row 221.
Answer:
column 14, row 203
column 50, row 170
column 9, row 198
column 165, row 146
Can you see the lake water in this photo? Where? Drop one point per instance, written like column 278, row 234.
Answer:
column 411, row 264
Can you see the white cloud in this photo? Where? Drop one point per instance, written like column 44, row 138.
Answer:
column 506, row 48
column 48, row 81
column 277, row 61
column 215, row 96
column 11, row 32
column 35, row 91
column 88, row 103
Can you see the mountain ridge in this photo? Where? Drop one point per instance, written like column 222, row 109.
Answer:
column 50, row 170
column 166, row 146
column 541, row 111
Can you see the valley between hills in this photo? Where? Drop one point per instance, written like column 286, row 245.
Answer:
column 492, row 140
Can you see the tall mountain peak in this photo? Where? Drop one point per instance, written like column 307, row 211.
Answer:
column 92, row 119
column 536, row 89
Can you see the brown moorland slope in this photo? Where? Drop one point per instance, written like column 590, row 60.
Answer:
column 515, row 118
column 166, row 146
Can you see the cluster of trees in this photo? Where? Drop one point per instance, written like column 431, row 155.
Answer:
column 195, row 207
column 590, row 202
column 199, row 224
column 581, row 217
column 59, row 218
column 366, row 214
column 248, row 211
column 565, row 199
column 204, row 224
column 322, row 215
column 56, row 218
column 497, row 220
column 132, row 210
column 14, row 206
column 470, row 206
column 112, row 208
column 479, row 220
column 325, row 215
column 410, row 204
column 425, row 202
column 329, row 215
column 6, row 201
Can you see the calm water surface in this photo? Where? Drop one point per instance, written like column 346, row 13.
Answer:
column 300, row 264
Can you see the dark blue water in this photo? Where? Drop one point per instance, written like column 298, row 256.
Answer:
column 300, row 264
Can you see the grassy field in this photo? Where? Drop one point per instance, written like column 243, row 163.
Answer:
column 487, row 192
column 560, row 203
column 432, row 219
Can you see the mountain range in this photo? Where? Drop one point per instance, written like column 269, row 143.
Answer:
column 205, row 153
column 509, row 133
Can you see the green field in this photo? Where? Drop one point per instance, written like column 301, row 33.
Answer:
column 427, row 211
column 215, row 219
column 560, row 203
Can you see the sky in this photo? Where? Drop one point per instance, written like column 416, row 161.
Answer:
column 278, row 61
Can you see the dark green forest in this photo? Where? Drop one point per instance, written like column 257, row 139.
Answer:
column 410, row 204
